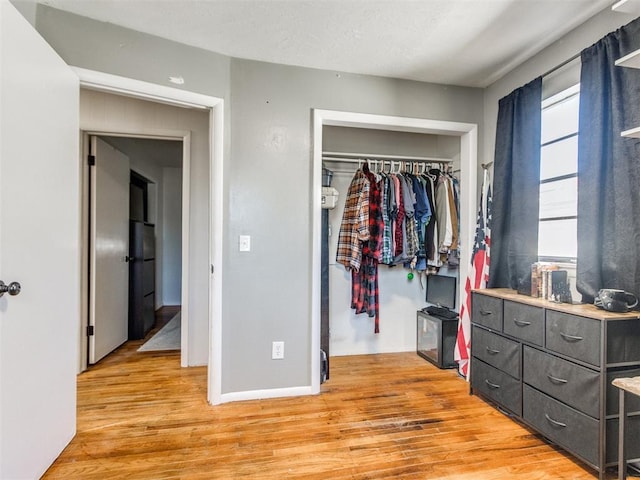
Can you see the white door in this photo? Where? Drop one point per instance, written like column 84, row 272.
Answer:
column 109, row 267
column 39, row 248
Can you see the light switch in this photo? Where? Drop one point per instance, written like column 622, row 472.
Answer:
column 245, row 243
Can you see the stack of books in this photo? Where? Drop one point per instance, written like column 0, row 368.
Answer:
column 548, row 281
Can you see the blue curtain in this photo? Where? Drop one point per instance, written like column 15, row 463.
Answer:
column 609, row 167
column 516, row 187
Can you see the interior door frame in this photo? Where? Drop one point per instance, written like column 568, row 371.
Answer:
column 468, row 133
column 151, row 134
column 149, row 91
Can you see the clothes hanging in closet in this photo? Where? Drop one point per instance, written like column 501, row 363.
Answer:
column 360, row 242
column 396, row 219
column 447, row 216
column 427, row 235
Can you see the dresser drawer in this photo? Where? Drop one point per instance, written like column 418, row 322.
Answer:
column 486, row 311
column 496, row 385
column 496, row 350
column 524, row 322
column 573, row 384
column 562, row 424
column 574, row 336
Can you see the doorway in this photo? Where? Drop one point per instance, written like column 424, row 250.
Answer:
column 391, row 155
column 134, row 249
column 138, row 209
column 209, row 176
column 467, row 134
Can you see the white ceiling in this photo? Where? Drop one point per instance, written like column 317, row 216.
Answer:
column 456, row 42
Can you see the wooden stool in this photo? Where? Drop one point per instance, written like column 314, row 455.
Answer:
column 631, row 385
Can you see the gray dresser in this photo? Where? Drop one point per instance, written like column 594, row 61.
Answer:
column 550, row 366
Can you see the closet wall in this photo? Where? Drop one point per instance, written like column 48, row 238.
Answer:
column 352, row 334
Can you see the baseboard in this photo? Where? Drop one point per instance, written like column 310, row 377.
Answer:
column 262, row 394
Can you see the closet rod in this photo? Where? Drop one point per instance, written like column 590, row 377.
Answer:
column 355, row 157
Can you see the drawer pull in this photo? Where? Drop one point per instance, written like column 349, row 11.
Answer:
column 521, row 323
column 557, row 380
column 484, row 312
column 491, row 351
column 491, row 385
column 570, row 338
column 555, row 422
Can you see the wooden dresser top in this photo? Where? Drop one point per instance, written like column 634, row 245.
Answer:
column 581, row 309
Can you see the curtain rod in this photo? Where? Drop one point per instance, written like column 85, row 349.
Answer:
column 354, row 157
column 558, row 67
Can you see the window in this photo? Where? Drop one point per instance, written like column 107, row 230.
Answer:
column 557, row 232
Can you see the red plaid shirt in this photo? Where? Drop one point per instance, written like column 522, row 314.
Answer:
column 373, row 248
column 354, row 228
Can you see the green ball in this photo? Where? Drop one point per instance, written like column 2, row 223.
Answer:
column 410, row 275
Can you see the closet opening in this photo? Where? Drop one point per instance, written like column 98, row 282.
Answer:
column 344, row 143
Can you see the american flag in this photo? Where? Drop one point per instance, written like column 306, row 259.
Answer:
column 478, row 275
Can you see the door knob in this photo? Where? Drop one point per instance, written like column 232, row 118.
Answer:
column 12, row 289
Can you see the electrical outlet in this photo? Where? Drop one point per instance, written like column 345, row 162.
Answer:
column 244, row 243
column 277, row 350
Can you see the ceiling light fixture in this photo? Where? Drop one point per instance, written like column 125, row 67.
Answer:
column 177, row 80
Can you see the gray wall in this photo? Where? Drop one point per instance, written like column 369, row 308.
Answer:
column 267, row 290
column 172, row 235
column 105, row 47
column 268, row 111
column 365, row 140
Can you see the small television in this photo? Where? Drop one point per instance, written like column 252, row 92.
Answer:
column 441, row 291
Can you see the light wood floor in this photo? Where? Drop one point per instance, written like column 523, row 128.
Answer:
column 392, row 416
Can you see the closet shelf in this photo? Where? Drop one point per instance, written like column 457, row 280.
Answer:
column 627, row 6
column 355, row 157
